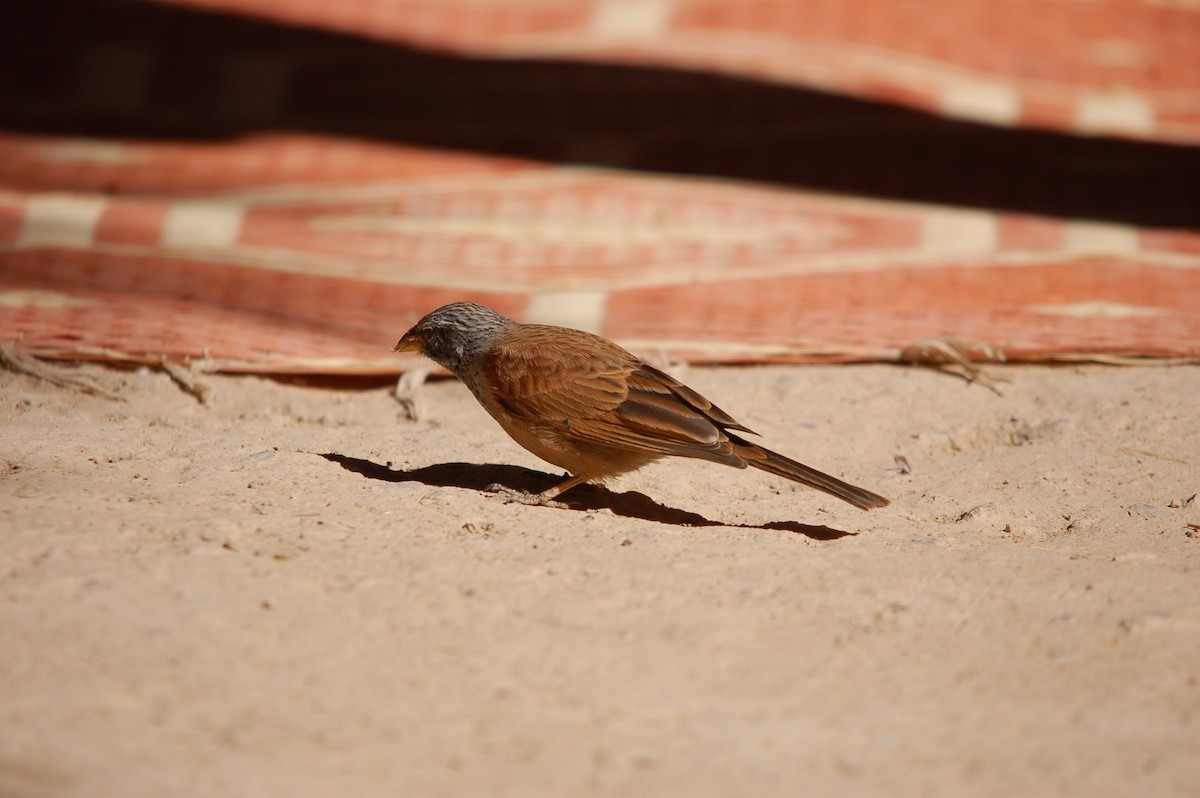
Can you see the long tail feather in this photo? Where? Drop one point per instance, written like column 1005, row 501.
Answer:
column 775, row 463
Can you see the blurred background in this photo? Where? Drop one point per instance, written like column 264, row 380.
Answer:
column 286, row 185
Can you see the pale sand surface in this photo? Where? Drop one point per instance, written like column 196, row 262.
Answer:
column 195, row 602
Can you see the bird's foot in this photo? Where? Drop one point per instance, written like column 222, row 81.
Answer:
column 512, row 496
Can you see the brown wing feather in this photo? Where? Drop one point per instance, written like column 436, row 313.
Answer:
column 698, row 403
column 602, row 394
column 550, row 373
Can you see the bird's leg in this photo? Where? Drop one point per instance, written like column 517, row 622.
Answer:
column 562, row 487
column 544, row 499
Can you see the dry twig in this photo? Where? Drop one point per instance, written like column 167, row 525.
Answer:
column 23, row 363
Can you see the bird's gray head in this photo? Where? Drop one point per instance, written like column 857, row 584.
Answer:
column 455, row 335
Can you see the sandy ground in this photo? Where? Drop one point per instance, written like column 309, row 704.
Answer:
column 245, row 599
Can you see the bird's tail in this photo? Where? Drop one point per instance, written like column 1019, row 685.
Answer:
column 775, row 463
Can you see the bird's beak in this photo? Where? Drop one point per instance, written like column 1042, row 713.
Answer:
column 409, row 343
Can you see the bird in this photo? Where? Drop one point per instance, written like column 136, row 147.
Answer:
column 584, row 404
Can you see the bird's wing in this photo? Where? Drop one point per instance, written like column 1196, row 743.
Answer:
column 694, row 400
column 590, row 388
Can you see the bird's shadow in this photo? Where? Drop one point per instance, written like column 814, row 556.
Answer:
column 629, row 504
